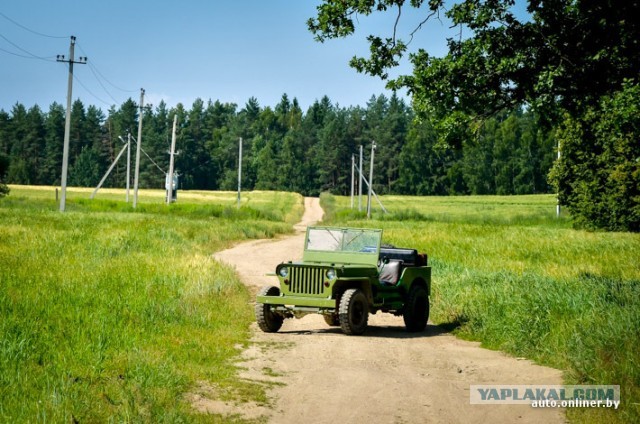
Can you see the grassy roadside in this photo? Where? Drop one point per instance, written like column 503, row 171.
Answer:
column 510, row 274
column 110, row 314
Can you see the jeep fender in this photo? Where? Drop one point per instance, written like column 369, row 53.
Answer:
column 416, row 275
column 340, row 286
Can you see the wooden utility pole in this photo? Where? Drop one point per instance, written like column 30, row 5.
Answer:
column 67, row 122
column 139, row 141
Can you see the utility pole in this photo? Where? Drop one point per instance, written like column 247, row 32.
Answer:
column 373, row 148
column 173, row 149
column 373, row 192
column 353, row 165
column 360, row 183
column 128, row 163
column 67, row 122
column 137, row 171
column 239, row 169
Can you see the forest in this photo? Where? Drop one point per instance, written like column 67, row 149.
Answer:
column 284, row 147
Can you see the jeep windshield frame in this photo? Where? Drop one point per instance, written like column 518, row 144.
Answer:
column 342, row 245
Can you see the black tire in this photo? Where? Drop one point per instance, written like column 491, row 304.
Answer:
column 416, row 310
column 353, row 312
column 332, row 320
column 268, row 321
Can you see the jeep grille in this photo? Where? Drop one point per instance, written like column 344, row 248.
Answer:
column 306, row 280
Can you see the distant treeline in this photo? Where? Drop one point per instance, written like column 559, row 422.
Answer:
column 284, row 148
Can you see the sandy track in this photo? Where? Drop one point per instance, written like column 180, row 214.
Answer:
column 385, row 376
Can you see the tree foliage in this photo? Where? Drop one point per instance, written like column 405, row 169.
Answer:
column 4, row 165
column 567, row 53
column 284, row 148
column 564, row 59
column 599, row 171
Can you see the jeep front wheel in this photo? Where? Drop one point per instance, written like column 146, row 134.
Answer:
column 416, row 310
column 268, row 321
column 353, row 312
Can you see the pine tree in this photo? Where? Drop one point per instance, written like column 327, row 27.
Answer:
column 53, row 141
column 5, row 133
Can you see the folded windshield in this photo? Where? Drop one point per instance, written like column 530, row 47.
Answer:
column 343, row 240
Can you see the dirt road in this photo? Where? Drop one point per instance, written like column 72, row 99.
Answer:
column 385, row 376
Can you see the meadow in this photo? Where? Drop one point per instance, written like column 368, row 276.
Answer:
column 508, row 273
column 112, row 314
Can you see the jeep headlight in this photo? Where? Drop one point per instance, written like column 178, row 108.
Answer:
column 284, row 272
column 331, row 274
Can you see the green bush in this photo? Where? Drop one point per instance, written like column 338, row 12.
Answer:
column 4, row 166
column 598, row 175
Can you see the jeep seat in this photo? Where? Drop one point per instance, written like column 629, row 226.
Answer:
column 390, row 272
column 408, row 256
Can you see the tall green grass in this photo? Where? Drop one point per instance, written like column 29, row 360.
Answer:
column 509, row 273
column 110, row 314
column 259, row 205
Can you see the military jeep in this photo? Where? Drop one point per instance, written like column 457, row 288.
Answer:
column 345, row 275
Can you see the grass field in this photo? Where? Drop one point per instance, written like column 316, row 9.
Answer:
column 110, row 314
column 509, row 273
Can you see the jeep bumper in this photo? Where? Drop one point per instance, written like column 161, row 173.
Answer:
column 291, row 302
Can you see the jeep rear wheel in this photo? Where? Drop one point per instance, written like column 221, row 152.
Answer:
column 268, row 321
column 416, row 310
column 353, row 312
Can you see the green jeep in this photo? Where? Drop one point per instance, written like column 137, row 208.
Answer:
column 344, row 275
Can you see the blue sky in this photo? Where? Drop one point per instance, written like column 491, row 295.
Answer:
column 180, row 50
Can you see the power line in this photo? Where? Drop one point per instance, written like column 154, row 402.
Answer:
column 102, row 85
column 99, row 78
column 90, row 92
column 153, row 162
column 18, row 55
column 95, row 68
column 31, row 55
column 109, row 82
column 51, row 59
column 147, row 155
column 29, row 29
